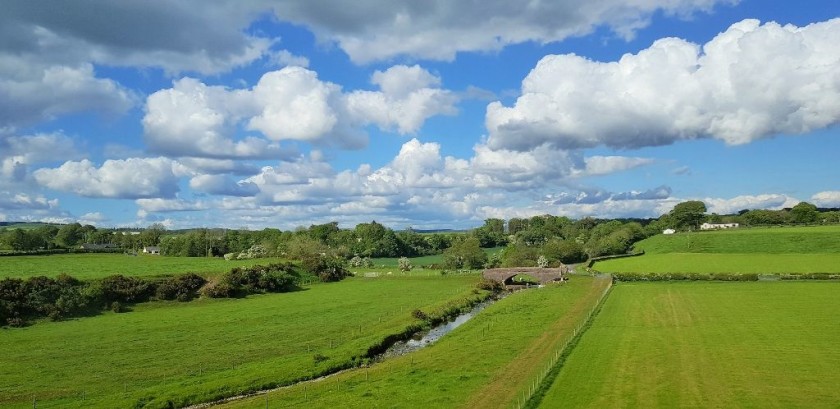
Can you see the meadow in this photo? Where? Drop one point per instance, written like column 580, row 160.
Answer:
column 182, row 353
column 758, row 344
column 486, row 363
column 93, row 266
column 757, row 250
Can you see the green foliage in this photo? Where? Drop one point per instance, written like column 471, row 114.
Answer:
column 466, row 253
column 519, row 255
column 563, row 251
column 804, row 212
column 126, row 289
column 182, row 288
column 689, row 214
column 240, row 281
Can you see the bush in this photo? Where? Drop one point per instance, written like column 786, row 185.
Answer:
column 490, row 285
column 404, row 264
column 276, row 277
column 126, row 289
column 181, row 288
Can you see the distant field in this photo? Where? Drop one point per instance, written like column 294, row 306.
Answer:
column 724, row 263
column 792, row 240
column 485, row 363
column 759, row 250
column 91, row 266
column 188, row 352
column 707, row 345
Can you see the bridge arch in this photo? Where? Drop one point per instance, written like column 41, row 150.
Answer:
column 544, row 275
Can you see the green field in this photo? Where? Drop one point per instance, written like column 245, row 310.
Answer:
column 200, row 350
column 759, row 250
column 485, row 363
column 707, row 345
column 92, row 266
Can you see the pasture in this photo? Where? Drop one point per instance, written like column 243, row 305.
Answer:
column 184, row 353
column 758, row 344
column 758, row 250
column 93, row 266
column 486, row 363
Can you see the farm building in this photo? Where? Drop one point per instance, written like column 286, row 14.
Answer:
column 151, row 250
column 718, row 226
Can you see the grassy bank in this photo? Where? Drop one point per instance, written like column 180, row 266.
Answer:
column 760, row 344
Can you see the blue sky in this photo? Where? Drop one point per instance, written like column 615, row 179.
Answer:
column 434, row 115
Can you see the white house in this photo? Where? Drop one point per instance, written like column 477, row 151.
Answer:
column 151, row 250
column 668, row 231
column 717, row 226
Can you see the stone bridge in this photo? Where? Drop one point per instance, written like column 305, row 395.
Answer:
column 544, row 275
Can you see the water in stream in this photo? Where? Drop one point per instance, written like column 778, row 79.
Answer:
column 428, row 338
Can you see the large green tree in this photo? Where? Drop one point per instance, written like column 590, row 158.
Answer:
column 688, row 215
column 804, row 212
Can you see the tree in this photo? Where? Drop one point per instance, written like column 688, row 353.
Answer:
column 688, row 215
column 564, row 251
column 151, row 236
column 69, row 235
column 466, row 253
column 804, row 212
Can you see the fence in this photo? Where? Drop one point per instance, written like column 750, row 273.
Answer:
column 541, row 380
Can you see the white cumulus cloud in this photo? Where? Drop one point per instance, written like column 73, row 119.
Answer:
column 829, row 198
column 127, row 179
column 750, row 82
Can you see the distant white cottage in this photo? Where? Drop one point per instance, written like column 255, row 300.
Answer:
column 718, row 226
column 668, row 231
column 151, row 250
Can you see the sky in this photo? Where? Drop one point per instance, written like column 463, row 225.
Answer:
column 423, row 114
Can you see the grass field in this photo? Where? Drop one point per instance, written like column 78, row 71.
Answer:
column 92, row 266
column 707, row 345
column 188, row 352
column 759, row 250
column 485, row 363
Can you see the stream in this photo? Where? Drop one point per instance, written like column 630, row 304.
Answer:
column 422, row 340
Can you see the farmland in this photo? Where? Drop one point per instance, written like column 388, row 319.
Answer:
column 760, row 344
column 485, row 363
column 760, row 250
column 92, row 266
column 189, row 352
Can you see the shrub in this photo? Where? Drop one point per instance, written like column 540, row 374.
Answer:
column 490, row 285
column 117, row 307
column 404, row 264
column 542, row 262
column 182, row 288
column 419, row 314
column 126, row 289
